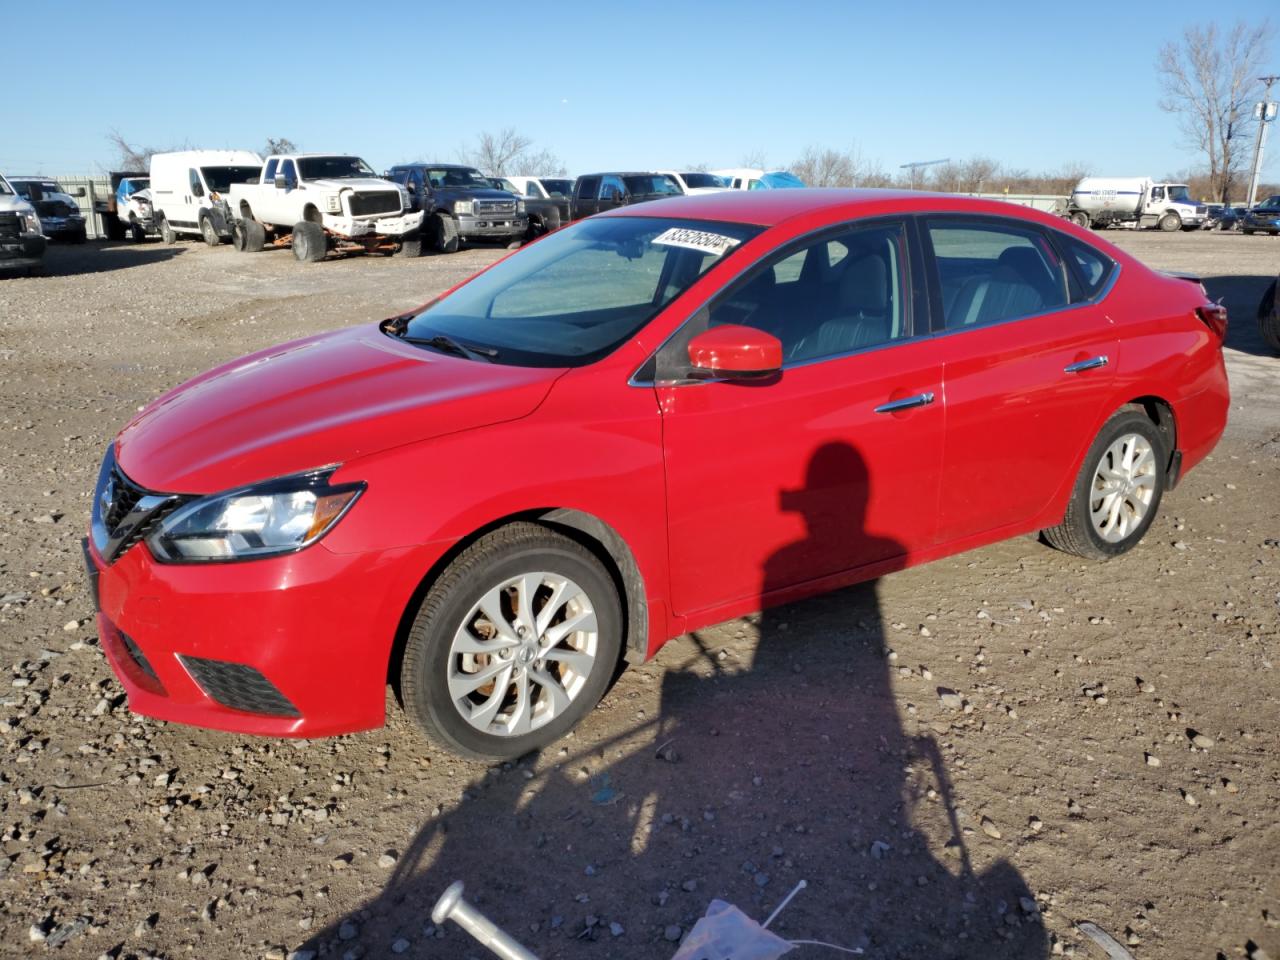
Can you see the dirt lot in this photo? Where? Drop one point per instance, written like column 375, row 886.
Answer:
column 809, row 743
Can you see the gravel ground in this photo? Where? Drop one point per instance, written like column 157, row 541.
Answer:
column 1109, row 753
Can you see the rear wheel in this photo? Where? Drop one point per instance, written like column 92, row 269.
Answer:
column 1118, row 490
column 1170, row 222
column 137, row 232
column 513, row 645
column 410, row 246
column 309, row 242
column 1080, row 219
column 248, row 236
column 209, row 233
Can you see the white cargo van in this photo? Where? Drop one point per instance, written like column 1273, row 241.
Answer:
column 188, row 190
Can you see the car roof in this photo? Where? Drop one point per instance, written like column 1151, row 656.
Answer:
column 438, row 166
column 623, row 173
column 769, row 208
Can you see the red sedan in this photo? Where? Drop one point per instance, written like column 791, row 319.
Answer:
column 653, row 420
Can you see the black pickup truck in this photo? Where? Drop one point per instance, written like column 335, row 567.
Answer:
column 460, row 204
column 598, row 192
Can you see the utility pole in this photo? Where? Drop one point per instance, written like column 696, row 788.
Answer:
column 1264, row 113
column 913, row 167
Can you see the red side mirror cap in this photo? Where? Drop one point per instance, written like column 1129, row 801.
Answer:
column 732, row 351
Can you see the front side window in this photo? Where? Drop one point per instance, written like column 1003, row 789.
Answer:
column 990, row 272
column 1157, row 193
column 5, row 189
column 269, row 172
column 611, row 188
column 837, row 295
column 695, row 180
column 579, row 293
column 655, row 183
column 531, row 190
column 558, row 187
column 290, row 173
column 193, row 178
column 588, row 187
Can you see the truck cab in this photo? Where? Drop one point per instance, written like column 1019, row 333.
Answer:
column 459, row 203
column 598, row 192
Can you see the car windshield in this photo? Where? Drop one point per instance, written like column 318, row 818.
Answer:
column 465, row 177
column 692, row 180
column 220, row 179
column 131, row 186
column 781, row 180
column 1180, row 195
column 579, row 293
column 1271, row 203
column 502, row 183
column 558, row 188
column 333, row 168
column 651, row 183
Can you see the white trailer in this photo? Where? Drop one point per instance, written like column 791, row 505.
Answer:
column 1102, row 201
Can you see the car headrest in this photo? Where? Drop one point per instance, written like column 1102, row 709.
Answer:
column 864, row 285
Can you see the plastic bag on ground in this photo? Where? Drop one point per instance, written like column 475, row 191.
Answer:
column 726, row 933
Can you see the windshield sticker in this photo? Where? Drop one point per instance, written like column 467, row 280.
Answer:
column 714, row 243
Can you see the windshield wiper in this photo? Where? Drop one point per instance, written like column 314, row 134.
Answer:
column 399, row 327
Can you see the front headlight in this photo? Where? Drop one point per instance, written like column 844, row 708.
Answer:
column 464, row 206
column 333, row 203
column 31, row 222
column 519, row 206
column 264, row 520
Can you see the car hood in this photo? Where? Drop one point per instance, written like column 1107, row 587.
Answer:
column 354, row 183
column 323, row 400
column 14, row 204
column 467, row 193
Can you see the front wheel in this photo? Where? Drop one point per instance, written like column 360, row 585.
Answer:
column 166, row 232
column 209, row 233
column 1118, row 490
column 139, row 233
column 1170, row 222
column 248, row 236
column 310, row 245
column 513, row 645
column 444, row 233
column 410, row 246
column 1080, row 219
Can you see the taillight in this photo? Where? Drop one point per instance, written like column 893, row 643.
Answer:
column 1214, row 316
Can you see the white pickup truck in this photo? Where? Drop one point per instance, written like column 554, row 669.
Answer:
column 319, row 203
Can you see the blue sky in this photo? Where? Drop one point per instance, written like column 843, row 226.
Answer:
column 606, row 85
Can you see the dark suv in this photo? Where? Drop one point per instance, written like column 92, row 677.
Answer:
column 598, row 192
column 460, row 204
column 1263, row 218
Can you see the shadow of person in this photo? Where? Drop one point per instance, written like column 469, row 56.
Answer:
column 778, row 754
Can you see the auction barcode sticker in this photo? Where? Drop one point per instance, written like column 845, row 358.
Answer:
column 713, row 243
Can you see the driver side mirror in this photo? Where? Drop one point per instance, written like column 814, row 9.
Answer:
column 280, row 181
column 735, row 352
column 78, row 192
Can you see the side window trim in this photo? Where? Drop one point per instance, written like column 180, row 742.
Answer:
column 916, row 315
column 1060, row 243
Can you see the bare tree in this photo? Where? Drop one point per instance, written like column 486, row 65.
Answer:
column 755, row 159
column 1209, row 79
column 543, row 163
column 279, row 145
column 819, row 167
column 508, row 151
column 129, row 156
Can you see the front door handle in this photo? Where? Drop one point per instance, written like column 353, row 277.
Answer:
column 906, row 403
column 1091, row 364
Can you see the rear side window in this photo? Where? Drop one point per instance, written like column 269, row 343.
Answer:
column 989, row 272
column 1093, row 268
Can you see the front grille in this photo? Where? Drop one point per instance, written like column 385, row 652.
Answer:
column 10, row 225
column 368, row 204
column 138, row 656
column 490, row 208
column 1201, row 211
column 125, row 497
column 54, row 208
column 239, row 686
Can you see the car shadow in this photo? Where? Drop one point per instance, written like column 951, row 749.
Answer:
column 1241, row 295
column 773, row 758
column 65, row 260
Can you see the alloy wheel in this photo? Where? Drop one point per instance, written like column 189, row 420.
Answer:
column 1124, row 485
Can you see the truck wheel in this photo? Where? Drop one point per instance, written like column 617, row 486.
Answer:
column 309, row 242
column 1080, row 219
column 80, row 236
column 114, row 226
column 410, row 246
column 166, row 232
column 209, row 233
column 1170, row 222
column 444, row 234
column 1246, row 231
column 248, row 236
column 1269, row 316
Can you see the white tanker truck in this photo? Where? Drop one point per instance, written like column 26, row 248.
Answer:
column 1101, row 201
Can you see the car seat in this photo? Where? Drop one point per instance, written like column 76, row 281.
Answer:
column 861, row 312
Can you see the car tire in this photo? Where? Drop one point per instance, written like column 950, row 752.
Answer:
column 1170, row 222
column 310, row 245
column 1080, row 219
column 444, row 234
column 248, row 236
column 80, row 236
column 1246, row 231
column 137, row 232
column 1269, row 316
column 410, row 246
column 166, row 232
column 209, row 232
column 532, row 700
column 114, row 226
column 1118, row 490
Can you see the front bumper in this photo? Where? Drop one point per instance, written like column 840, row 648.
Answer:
column 62, row 226
column 316, row 626
column 24, row 251
column 360, row 228
column 508, row 226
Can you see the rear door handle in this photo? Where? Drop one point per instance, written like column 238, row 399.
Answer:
column 906, row 403
column 1091, row 364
